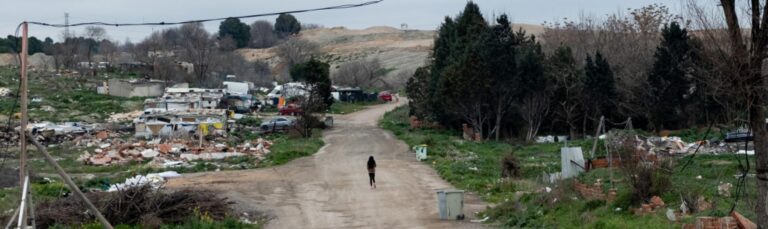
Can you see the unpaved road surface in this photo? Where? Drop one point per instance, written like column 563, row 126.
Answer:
column 330, row 189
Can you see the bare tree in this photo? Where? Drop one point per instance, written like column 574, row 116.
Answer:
column 295, row 51
column 64, row 53
column 109, row 50
column 534, row 110
column 627, row 41
column 95, row 34
column 360, row 73
column 199, row 49
column 263, row 34
column 227, row 44
column 746, row 55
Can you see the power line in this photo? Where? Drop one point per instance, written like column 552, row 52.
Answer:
column 345, row 6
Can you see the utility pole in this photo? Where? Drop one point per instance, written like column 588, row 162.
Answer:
column 66, row 26
column 24, row 119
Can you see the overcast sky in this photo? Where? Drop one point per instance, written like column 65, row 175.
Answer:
column 418, row 14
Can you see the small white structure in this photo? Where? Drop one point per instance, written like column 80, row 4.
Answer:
column 237, row 88
column 421, row 152
column 572, row 162
column 288, row 90
column 450, row 204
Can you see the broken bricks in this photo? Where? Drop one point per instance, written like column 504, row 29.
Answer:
column 172, row 151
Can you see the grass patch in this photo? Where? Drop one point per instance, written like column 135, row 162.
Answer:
column 285, row 149
column 346, row 108
column 74, row 98
column 519, row 203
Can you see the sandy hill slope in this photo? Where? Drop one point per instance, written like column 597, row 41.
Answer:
column 400, row 51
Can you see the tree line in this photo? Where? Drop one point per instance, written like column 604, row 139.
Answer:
column 506, row 83
column 12, row 44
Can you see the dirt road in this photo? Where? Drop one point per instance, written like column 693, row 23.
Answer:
column 330, row 189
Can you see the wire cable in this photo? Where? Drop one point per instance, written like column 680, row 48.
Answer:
column 162, row 23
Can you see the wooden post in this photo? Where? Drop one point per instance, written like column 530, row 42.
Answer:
column 23, row 97
column 24, row 117
column 11, row 220
column 72, row 186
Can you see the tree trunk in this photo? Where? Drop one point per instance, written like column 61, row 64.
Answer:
column 498, row 120
column 757, row 124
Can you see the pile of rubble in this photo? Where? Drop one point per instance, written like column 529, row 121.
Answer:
column 169, row 153
column 676, row 146
column 52, row 133
column 671, row 146
column 124, row 117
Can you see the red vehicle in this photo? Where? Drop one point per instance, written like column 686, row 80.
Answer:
column 291, row 109
column 385, row 96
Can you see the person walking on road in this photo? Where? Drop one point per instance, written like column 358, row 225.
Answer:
column 372, row 172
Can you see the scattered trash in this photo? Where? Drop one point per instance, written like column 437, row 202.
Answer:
column 545, row 139
column 480, row 220
column 154, row 180
column 724, row 189
column 671, row 215
column 747, row 152
column 699, row 177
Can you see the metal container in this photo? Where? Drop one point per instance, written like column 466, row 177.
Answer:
column 451, row 204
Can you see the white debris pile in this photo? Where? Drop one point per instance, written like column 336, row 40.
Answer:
column 676, row 146
column 155, row 180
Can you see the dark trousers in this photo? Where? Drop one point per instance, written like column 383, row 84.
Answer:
column 373, row 178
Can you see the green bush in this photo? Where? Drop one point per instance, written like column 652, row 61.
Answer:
column 249, row 121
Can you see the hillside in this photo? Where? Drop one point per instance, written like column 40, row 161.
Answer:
column 401, row 51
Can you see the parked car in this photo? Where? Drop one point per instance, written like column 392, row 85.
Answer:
column 291, row 109
column 385, row 96
column 276, row 124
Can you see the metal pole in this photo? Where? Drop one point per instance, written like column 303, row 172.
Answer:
column 22, row 208
column 72, row 186
column 597, row 136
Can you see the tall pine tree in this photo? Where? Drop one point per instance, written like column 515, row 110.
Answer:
column 599, row 88
column 567, row 81
column 669, row 80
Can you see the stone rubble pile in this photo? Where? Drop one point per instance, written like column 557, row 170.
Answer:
column 168, row 153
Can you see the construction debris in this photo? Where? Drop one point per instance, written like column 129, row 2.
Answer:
column 154, row 180
column 171, row 153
